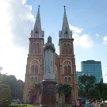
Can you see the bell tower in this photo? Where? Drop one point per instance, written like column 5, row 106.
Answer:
column 67, row 57
column 34, row 67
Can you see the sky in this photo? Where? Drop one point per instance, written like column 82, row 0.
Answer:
column 87, row 20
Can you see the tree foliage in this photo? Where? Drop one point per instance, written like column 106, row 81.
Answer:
column 102, row 87
column 85, row 82
column 63, row 89
column 89, row 89
column 35, row 91
column 5, row 92
column 93, row 93
column 16, row 86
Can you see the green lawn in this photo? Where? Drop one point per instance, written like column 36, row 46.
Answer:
column 27, row 105
column 22, row 105
column 31, row 106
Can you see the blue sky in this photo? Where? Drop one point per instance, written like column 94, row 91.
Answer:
column 87, row 20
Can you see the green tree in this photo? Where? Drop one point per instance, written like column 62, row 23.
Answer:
column 5, row 93
column 102, row 87
column 93, row 93
column 35, row 91
column 19, row 89
column 59, row 88
column 85, row 82
column 64, row 89
column 15, row 85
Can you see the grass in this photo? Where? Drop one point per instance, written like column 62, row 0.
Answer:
column 64, row 105
column 22, row 105
column 28, row 105
column 32, row 106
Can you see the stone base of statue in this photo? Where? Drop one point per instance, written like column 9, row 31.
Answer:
column 48, row 93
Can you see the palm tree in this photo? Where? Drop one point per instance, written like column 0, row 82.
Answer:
column 35, row 92
column 64, row 89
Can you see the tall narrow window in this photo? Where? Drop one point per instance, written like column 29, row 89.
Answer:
column 65, row 48
column 65, row 79
column 69, row 80
column 31, row 78
column 65, row 69
column 36, row 79
column 68, row 48
column 35, row 48
column 36, row 69
column 32, row 69
column 69, row 70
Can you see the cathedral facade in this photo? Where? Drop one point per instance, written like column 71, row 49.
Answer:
column 65, row 68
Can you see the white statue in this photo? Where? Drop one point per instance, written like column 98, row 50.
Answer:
column 49, row 60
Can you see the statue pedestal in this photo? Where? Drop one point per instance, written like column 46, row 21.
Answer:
column 48, row 93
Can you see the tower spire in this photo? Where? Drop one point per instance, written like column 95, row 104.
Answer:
column 65, row 32
column 65, row 20
column 37, row 31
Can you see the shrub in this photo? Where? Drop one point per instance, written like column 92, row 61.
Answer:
column 5, row 95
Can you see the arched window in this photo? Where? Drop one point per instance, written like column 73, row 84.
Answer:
column 36, row 69
column 65, row 48
column 69, row 70
column 32, row 69
column 71, row 49
column 68, row 48
column 65, row 69
column 31, row 78
column 65, row 79
column 35, row 48
column 69, row 80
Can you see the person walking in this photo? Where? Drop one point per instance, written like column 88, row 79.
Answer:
column 77, row 103
column 81, row 104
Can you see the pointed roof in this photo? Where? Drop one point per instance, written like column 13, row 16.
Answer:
column 65, row 20
column 65, row 32
column 37, row 31
column 38, row 20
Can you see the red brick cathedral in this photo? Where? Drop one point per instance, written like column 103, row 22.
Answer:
column 65, row 68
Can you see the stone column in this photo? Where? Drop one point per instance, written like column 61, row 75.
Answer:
column 49, row 83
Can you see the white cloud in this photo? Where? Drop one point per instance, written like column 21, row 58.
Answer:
column 16, row 22
column 81, row 39
column 105, row 39
column 76, row 29
column 21, row 21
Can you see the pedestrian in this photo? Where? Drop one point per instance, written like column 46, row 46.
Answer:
column 81, row 104
column 77, row 103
